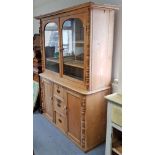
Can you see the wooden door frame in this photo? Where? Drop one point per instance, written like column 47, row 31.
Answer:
column 83, row 16
column 44, row 22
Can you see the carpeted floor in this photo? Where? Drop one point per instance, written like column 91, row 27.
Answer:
column 48, row 140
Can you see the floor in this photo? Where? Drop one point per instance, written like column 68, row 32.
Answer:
column 48, row 140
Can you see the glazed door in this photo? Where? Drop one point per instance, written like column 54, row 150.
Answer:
column 51, row 45
column 48, row 99
column 73, row 45
column 74, row 116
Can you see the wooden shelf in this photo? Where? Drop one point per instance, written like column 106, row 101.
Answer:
column 79, row 42
column 116, row 126
column 69, row 62
column 56, row 60
column 117, row 142
column 117, row 147
column 117, row 150
column 74, row 63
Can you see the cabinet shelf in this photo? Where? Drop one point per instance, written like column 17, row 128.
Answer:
column 56, row 60
column 117, row 148
column 79, row 42
column 74, row 63
column 117, row 142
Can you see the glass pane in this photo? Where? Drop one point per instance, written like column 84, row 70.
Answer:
column 51, row 47
column 73, row 48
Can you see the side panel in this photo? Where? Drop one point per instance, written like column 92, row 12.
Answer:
column 96, row 115
column 101, row 47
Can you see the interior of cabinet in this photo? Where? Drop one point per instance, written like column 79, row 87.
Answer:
column 117, row 142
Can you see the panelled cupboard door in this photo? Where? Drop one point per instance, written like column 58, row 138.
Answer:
column 74, row 119
column 47, row 99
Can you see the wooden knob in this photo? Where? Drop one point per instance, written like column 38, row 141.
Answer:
column 60, row 121
column 59, row 105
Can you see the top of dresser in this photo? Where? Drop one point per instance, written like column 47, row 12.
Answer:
column 69, row 85
column 84, row 5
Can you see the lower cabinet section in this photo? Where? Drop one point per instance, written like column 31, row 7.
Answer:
column 81, row 117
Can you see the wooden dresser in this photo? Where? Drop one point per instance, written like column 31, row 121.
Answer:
column 77, row 45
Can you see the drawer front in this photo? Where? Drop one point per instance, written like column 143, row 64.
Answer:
column 61, row 122
column 117, row 115
column 59, row 106
column 58, row 91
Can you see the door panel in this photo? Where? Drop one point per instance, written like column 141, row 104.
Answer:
column 74, row 120
column 51, row 44
column 73, row 45
column 48, row 102
column 73, row 48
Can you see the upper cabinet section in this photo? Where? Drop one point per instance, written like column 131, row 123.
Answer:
column 64, row 46
column 51, row 47
column 73, row 48
column 77, row 45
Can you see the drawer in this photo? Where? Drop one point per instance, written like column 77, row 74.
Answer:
column 59, row 106
column 58, row 91
column 61, row 122
column 117, row 115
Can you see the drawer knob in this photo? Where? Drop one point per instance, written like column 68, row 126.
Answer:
column 59, row 105
column 58, row 91
column 60, row 121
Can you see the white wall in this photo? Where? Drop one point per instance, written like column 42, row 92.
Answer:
column 46, row 6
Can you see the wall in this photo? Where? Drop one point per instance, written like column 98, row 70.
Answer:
column 46, row 6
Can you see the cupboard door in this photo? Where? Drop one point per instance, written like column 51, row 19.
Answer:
column 51, row 45
column 74, row 119
column 73, row 45
column 47, row 99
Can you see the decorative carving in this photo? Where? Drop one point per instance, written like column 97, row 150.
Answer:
column 41, row 45
column 42, row 95
column 83, row 130
column 87, row 53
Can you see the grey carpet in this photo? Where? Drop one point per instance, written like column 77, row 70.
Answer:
column 48, row 140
